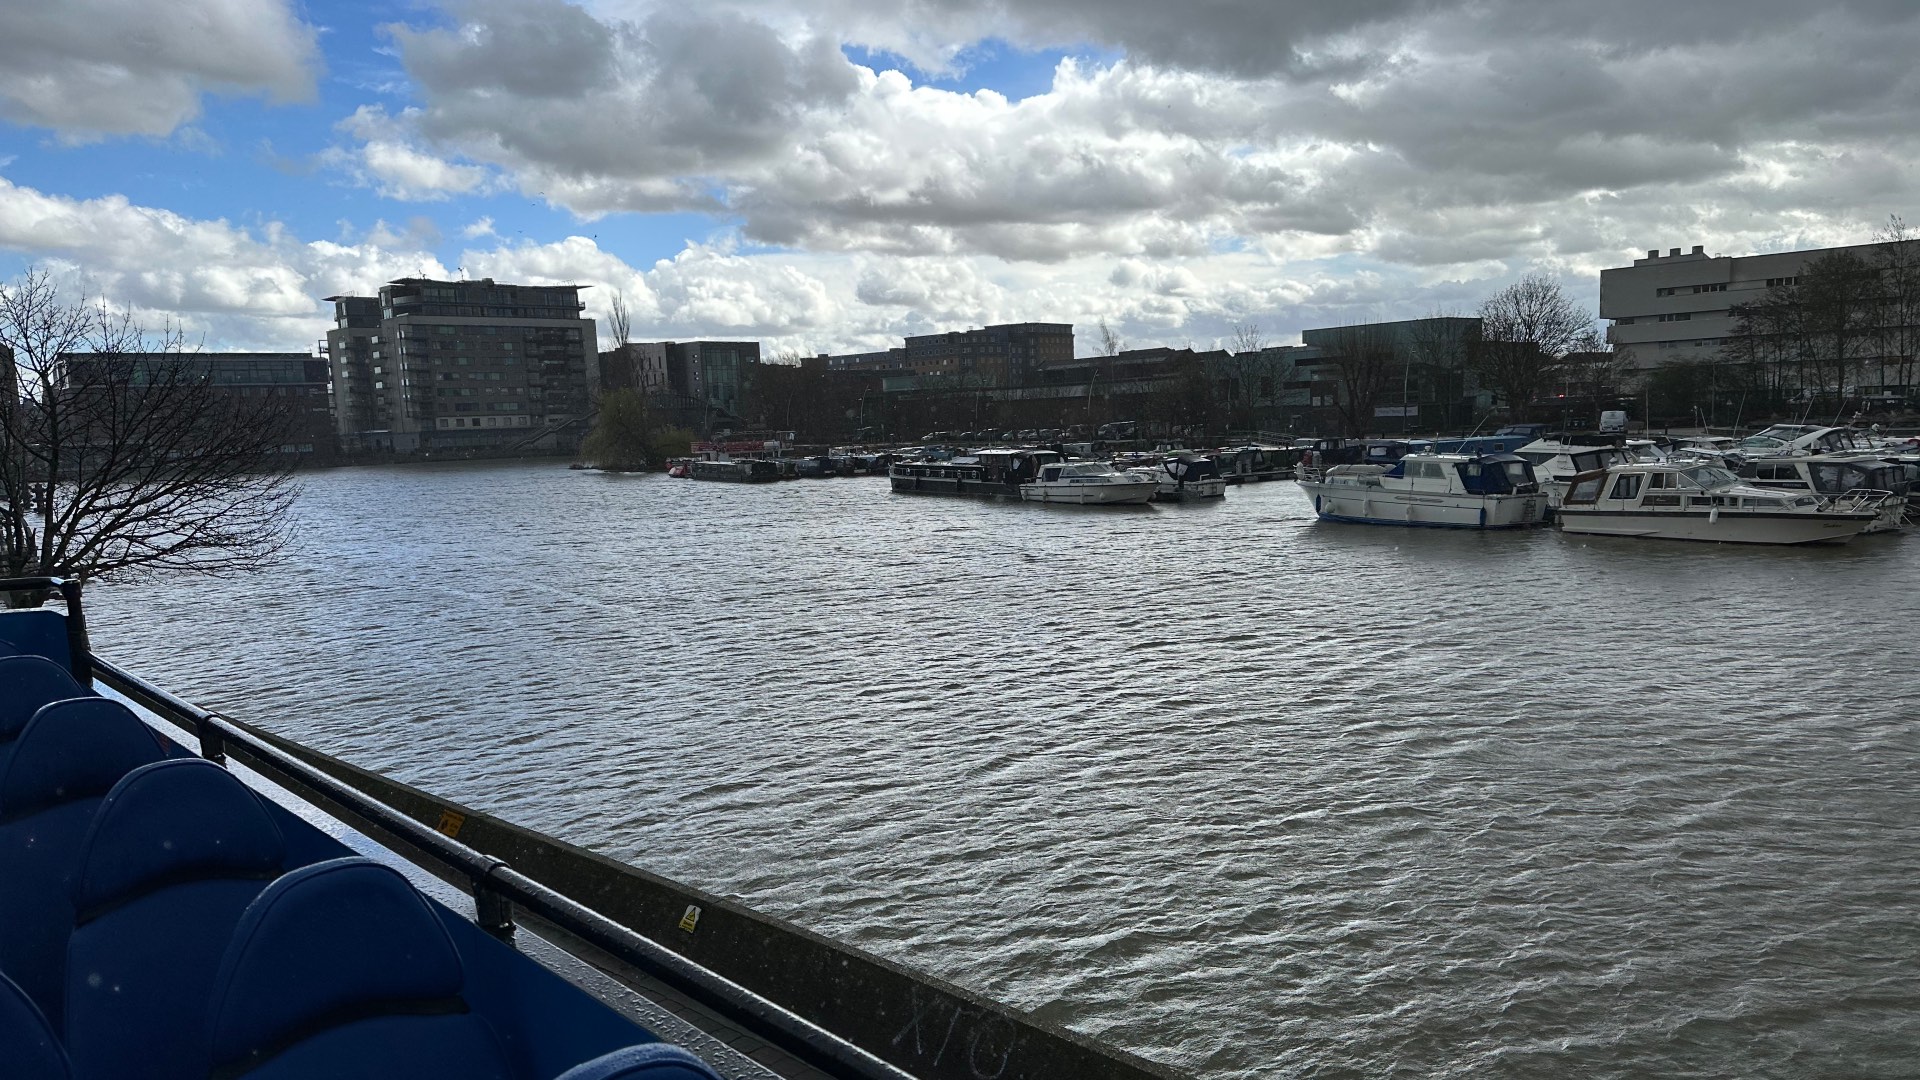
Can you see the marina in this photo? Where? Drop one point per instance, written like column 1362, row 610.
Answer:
column 1349, row 846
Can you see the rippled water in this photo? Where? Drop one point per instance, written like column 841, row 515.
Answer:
column 1244, row 793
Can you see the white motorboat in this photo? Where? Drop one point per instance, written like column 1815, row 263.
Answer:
column 1681, row 501
column 1088, row 483
column 1837, row 476
column 1557, row 459
column 1457, row 491
column 1184, row 478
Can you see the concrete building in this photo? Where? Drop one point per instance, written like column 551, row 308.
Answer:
column 714, row 373
column 1672, row 307
column 452, row 365
column 1008, row 354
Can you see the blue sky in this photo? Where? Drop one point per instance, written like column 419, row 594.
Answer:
column 833, row 175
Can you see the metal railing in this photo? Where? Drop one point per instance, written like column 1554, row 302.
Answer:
column 497, row 887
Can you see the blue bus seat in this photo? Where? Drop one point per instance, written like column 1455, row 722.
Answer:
column 176, row 852
column 27, row 683
column 37, row 632
column 27, row 1045
column 650, row 1061
column 68, row 758
column 341, row 969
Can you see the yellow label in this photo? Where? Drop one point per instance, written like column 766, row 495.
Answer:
column 450, row 822
column 691, row 919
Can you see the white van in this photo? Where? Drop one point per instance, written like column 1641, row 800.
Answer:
column 1613, row 420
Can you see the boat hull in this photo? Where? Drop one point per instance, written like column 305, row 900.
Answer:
column 945, row 485
column 1728, row 527
column 1190, row 491
column 1373, row 506
column 1125, row 494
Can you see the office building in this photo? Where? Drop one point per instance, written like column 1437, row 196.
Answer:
column 300, row 380
column 462, row 365
column 1676, row 306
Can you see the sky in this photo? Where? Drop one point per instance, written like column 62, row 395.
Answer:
column 831, row 176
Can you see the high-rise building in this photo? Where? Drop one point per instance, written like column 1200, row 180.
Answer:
column 437, row 365
column 1005, row 355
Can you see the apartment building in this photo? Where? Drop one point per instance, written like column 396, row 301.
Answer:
column 1009, row 354
column 450, row 365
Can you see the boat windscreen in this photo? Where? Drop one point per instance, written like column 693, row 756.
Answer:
column 1709, row 476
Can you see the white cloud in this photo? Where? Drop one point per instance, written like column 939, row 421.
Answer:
column 388, row 160
column 87, row 68
column 1447, row 141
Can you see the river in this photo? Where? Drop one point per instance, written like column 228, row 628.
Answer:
column 1244, row 793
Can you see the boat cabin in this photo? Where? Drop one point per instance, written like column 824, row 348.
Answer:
column 1677, row 487
column 1828, row 474
column 1485, row 474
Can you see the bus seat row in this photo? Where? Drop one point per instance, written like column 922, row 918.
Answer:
column 150, row 925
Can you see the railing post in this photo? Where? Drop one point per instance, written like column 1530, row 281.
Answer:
column 213, row 746
column 79, row 649
column 492, row 911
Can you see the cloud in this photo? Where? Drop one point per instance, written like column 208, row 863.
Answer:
column 388, row 160
column 1443, row 140
column 87, row 68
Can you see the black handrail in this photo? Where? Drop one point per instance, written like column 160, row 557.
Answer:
column 79, row 650
column 496, row 885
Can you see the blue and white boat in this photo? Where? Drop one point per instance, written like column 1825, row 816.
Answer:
column 1453, row 491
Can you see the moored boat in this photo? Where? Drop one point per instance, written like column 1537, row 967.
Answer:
column 1837, row 476
column 741, row 471
column 995, row 473
column 1458, row 491
column 1681, row 501
column 1088, row 483
column 1184, row 478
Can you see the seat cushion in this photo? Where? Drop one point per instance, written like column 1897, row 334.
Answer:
column 176, row 853
column 26, row 683
column 28, row 1050
column 68, row 757
column 331, row 967
column 650, row 1061
column 184, row 819
column 73, row 749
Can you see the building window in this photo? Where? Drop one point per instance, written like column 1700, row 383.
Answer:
column 1709, row 288
column 1679, row 316
column 1778, row 282
column 1663, row 292
column 1628, row 321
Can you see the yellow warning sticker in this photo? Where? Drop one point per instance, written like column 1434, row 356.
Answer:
column 691, row 919
column 450, row 822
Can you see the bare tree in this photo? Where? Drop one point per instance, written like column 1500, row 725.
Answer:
column 1525, row 330
column 1111, row 343
column 1441, row 345
column 1247, row 337
column 121, row 455
column 1897, row 258
column 1365, row 361
column 619, row 320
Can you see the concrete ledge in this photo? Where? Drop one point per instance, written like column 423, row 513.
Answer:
column 923, row 1025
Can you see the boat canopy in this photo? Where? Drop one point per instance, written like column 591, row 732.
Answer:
column 1497, row 474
